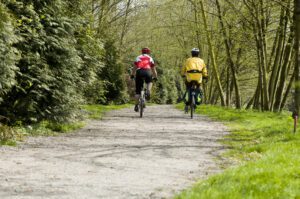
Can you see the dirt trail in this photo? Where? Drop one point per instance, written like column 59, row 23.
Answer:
column 121, row 156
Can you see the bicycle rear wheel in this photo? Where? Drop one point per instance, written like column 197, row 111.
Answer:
column 142, row 101
column 141, row 108
column 192, row 106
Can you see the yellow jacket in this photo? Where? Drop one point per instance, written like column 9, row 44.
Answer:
column 194, row 69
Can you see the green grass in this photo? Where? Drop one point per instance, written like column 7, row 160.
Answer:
column 98, row 111
column 8, row 136
column 267, row 151
column 47, row 128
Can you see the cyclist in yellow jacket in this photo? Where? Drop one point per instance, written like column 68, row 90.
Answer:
column 194, row 70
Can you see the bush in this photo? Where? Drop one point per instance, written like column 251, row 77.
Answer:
column 52, row 61
column 48, row 82
column 7, row 134
column 8, row 54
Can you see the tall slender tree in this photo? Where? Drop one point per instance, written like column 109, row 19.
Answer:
column 297, row 57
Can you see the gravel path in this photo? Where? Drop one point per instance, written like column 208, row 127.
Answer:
column 121, row 156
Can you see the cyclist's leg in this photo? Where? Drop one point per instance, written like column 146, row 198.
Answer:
column 189, row 88
column 149, row 87
column 187, row 96
column 199, row 94
column 187, row 92
column 148, row 80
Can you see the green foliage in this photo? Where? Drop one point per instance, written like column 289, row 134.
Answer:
column 267, row 150
column 95, row 93
column 49, row 66
column 166, row 90
column 90, row 48
column 113, row 74
column 52, row 61
column 91, row 52
column 8, row 135
column 8, row 54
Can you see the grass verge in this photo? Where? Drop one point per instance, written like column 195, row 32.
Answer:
column 47, row 128
column 268, row 154
column 11, row 135
column 97, row 111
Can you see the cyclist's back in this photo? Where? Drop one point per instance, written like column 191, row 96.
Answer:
column 194, row 69
column 144, row 62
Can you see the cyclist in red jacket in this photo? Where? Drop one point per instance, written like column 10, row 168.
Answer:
column 144, row 70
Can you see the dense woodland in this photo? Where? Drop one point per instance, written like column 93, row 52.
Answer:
column 59, row 54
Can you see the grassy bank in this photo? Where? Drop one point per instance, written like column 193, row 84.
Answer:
column 97, row 111
column 10, row 135
column 268, row 154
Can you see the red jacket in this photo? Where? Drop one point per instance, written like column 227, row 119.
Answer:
column 144, row 62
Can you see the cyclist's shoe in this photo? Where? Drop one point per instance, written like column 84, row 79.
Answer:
column 147, row 96
column 136, row 108
column 186, row 109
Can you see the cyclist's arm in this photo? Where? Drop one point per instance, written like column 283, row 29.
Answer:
column 133, row 72
column 154, row 72
column 153, row 68
column 205, row 72
column 183, row 70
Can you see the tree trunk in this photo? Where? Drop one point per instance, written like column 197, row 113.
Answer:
column 297, row 57
column 228, row 83
column 287, row 92
column 262, row 45
column 229, row 59
column 212, row 54
column 288, row 57
column 277, row 61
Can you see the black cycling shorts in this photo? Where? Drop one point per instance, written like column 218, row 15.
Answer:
column 142, row 76
column 190, row 84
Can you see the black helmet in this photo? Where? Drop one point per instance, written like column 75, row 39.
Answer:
column 195, row 52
